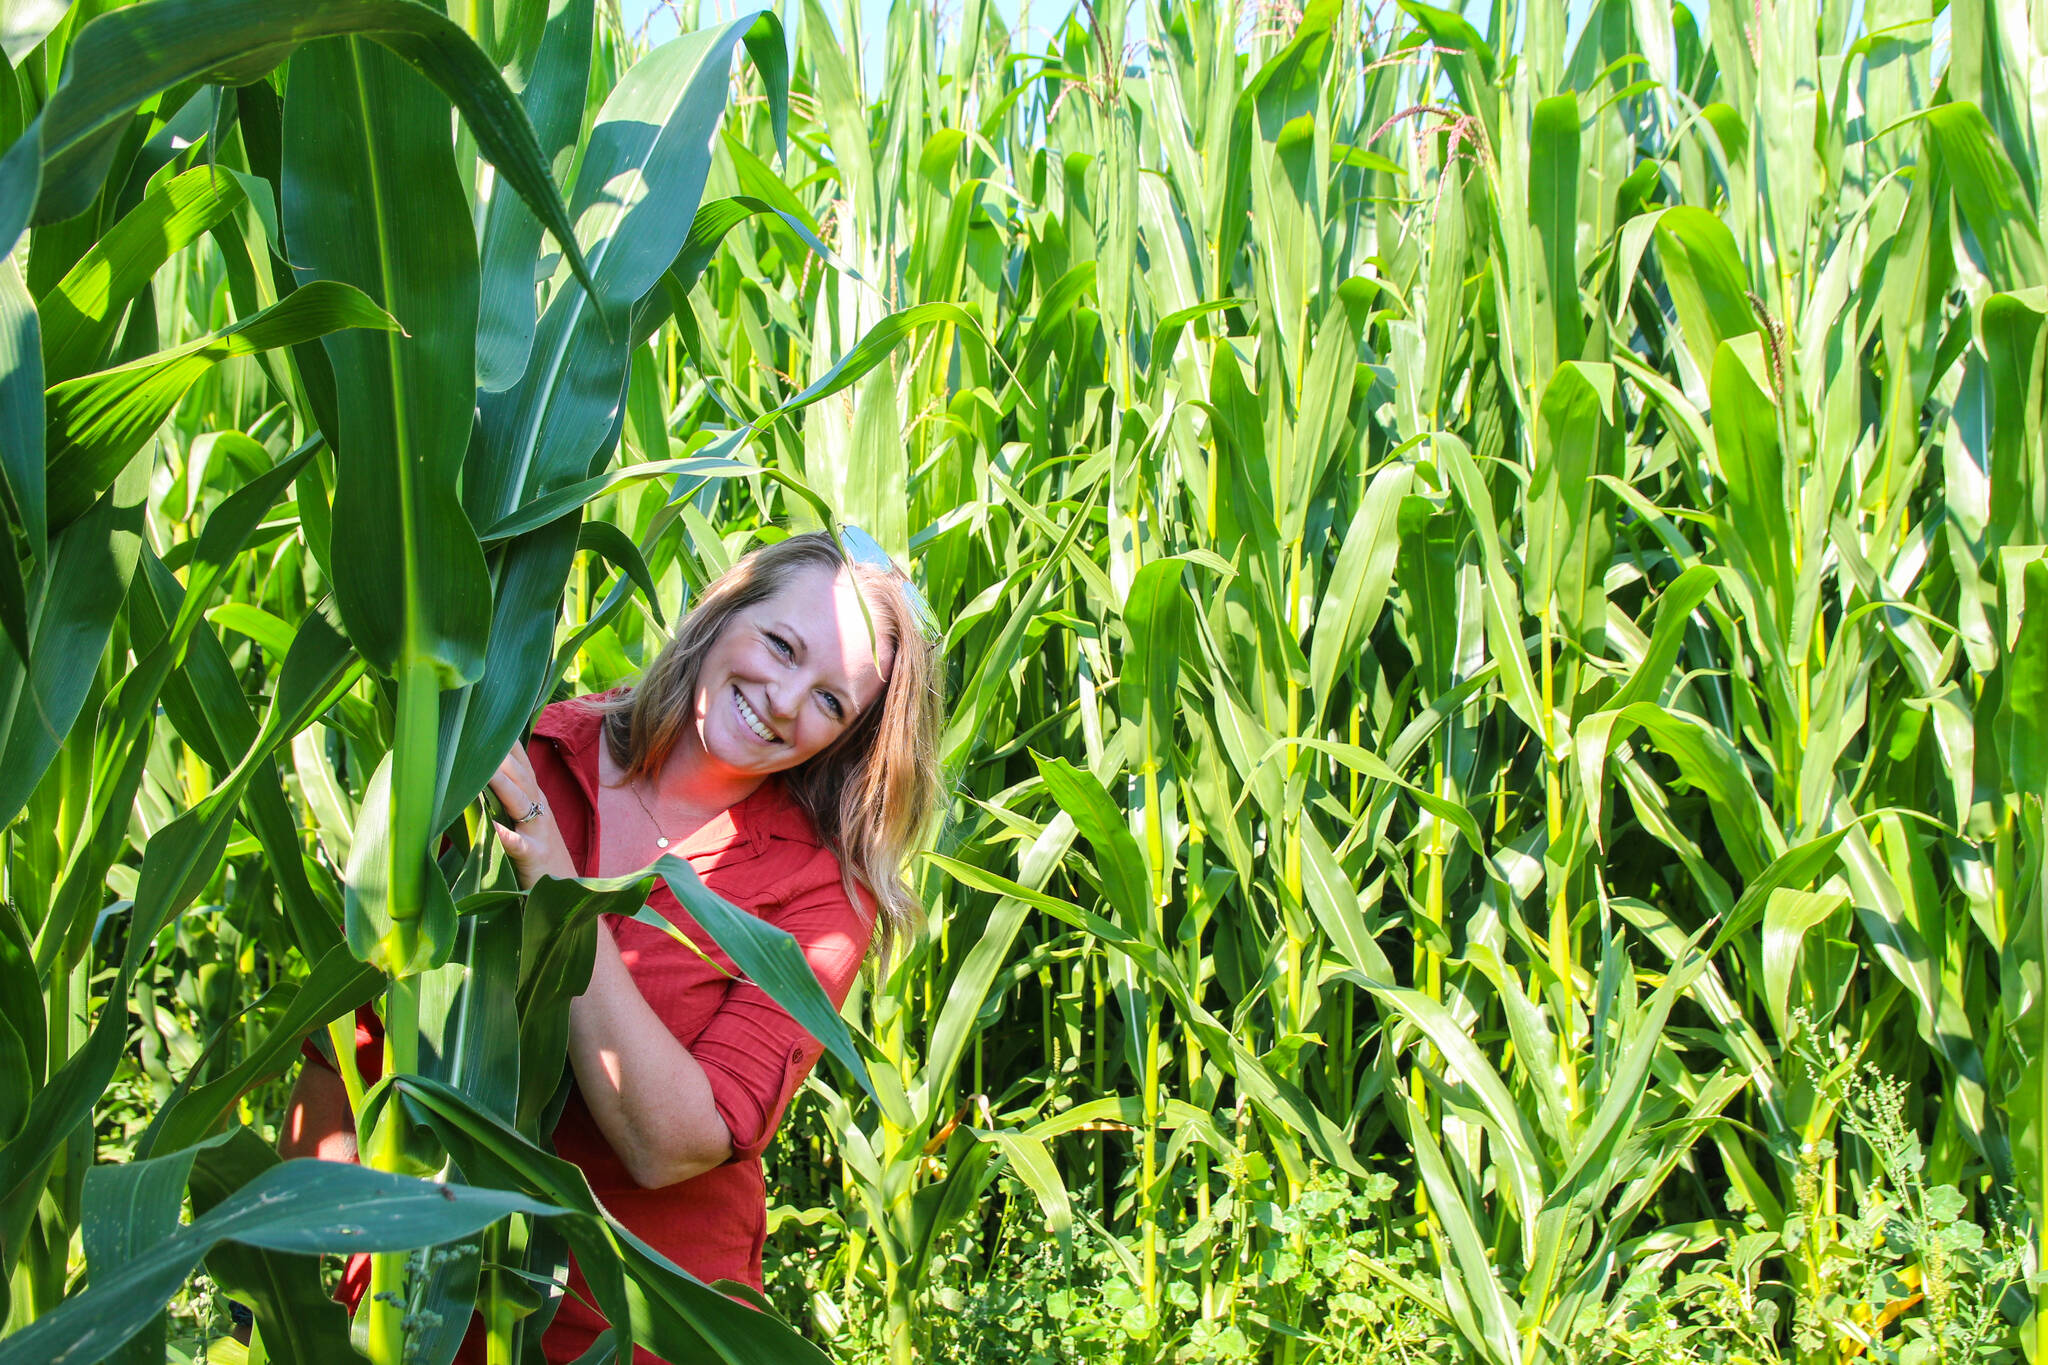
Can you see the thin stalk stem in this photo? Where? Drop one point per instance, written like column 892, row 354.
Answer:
column 1563, row 952
column 414, row 741
column 496, row 1305
column 2040, row 1115
column 387, row 1153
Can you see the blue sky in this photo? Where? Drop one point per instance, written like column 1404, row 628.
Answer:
column 660, row 18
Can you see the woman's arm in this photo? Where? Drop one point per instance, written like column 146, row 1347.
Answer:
column 317, row 1121
column 649, row 1096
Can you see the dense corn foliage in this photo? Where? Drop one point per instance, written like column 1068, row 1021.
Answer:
column 1495, row 578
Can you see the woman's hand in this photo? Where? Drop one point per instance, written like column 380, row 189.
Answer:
column 531, row 838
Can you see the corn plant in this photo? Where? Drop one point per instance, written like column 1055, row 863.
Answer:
column 1464, row 535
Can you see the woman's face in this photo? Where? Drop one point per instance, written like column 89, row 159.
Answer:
column 788, row 675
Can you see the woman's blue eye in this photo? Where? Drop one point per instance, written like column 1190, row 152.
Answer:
column 832, row 704
column 779, row 643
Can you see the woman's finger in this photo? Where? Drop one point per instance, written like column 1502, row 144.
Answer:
column 510, row 794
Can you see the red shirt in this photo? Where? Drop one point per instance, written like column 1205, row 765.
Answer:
column 764, row 856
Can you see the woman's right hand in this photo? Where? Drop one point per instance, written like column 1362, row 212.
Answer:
column 532, row 841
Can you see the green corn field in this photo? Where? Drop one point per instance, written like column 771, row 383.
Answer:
column 1494, row 573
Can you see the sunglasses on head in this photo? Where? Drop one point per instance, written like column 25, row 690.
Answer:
column 861, row 548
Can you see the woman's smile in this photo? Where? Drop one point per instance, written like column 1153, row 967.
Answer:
column 751, row 719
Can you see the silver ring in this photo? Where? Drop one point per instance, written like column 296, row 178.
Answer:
column 533, row 812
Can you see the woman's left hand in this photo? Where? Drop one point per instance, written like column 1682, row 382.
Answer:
column 531, row 838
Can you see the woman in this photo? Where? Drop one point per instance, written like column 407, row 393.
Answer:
column 785, row 743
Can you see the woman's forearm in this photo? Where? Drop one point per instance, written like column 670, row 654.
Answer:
column 317, row 1119
column 650, row 1098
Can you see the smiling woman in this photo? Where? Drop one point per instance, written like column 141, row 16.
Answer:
column 784, row 743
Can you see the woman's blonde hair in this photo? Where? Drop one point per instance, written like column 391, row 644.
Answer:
column 873, row 792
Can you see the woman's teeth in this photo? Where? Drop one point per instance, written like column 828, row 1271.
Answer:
column 752, row 721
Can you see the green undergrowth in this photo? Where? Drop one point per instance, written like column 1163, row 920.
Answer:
column 1342, row 1271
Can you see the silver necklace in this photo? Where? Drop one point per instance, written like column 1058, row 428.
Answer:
column 660, row 839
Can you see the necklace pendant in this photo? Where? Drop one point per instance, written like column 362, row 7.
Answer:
column 660, row 842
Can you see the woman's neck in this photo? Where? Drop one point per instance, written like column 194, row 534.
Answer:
column 690, row 787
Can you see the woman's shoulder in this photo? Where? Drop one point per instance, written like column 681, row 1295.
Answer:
column 575, row 721
column 781, row 829
column 799, row 861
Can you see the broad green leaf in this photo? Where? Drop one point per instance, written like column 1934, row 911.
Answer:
column 768, row 955
column 1151, row 677
column 1055, row 306
column 369, row 202
column 73, row 601
column 2013, row 332
column 2024, row 718
column 128, row 1207
column 1034, row 1166
column 1988, row 190
column 1554, row 209
column 1503, row 626
column 874, row 347
column 638, row 186
column 1283, row 88
column 557, row 945
column 715, row 219
column 81, row 313
column 1359, row 583
column 299, row 1206
column 469, row 1017
column 552, row 95
column 97, row 422
column 1759, row 545
column 547, row 510
column 1118, row 860
column 1709, row 288
column 405, row 397
column 1320, row 428
column 124, row 57
column 273, row 634
column 22, row 458
column 1471, row 1290
column 1707, row 759
column 1787, row 917
column 1675, row 606
column 1334, row 901
column 1465, row 1064
column 1426, row 571
column 379, row 856
column 614, row 546
column 1570, row 539
column 1374, row 768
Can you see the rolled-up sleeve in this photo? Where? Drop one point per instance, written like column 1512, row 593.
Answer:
column 753, row 1053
